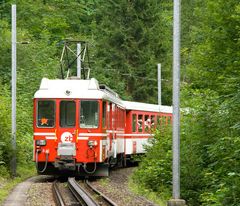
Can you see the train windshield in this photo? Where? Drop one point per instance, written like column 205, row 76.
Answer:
column 89, row 114
column 67, row 114
column 46, row 113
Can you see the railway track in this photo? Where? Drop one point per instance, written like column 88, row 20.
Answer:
column 85, row 195
column 57, row 195
column 103, row 199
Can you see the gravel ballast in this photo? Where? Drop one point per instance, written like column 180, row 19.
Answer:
column 116, row 188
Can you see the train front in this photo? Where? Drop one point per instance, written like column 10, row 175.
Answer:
column 68, row 134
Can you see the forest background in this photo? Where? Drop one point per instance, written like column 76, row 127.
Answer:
column 127, row 39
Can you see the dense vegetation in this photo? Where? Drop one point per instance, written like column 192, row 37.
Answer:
column 127, row 39
column 210, row 137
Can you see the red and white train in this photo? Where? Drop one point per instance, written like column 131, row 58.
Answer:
column 83, row 128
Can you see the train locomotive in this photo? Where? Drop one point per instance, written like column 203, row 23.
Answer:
column 84, row 128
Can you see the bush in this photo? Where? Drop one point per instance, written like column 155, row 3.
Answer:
column 209, row 154
column 5, row 130
column 154, row 172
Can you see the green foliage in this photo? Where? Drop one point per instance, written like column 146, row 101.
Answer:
column 7, row 184
column 130, row 40
column 44, row 24
column 214, row 60
column 154, row 172
column 222, row 175
column 5, row 37
column 138, row 189
column 209, row 153
column 5, row 129
column 127, row 40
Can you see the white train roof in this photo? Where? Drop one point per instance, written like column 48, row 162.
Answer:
column 75, row 88
column 147, row 107
column 90, row 89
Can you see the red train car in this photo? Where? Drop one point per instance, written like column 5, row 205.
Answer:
column 83, row 128
column 142, row 119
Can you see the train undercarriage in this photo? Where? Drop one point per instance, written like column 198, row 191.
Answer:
column 67, row 166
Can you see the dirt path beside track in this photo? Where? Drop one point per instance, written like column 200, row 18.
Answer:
column 19, row 195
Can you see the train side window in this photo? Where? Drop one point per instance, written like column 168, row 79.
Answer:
column 140, row 123
column 153, row 121
column 46, row 113
column 147, row 123
column 134, row 122
column 67, row 113
column 169, row 121
column 89, row 114
column 117, row 117
column 109, row 109
column 164, row 121
column 122, row 119
column 159, row 121
column 104, row 115
column 113, row 116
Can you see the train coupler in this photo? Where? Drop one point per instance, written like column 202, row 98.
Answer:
column 65, row 163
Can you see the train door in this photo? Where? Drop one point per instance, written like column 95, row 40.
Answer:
column 114, row 126
column 67, row 131
column 110, row 128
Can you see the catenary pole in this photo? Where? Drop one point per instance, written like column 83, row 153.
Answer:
column 176, row 102
column 176, row 201
column 14, row 66
column 159, row 85
column 78, row 60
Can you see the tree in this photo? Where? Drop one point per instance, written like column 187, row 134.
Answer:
column 130, row 40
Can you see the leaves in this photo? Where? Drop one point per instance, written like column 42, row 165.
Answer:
column 127, row 40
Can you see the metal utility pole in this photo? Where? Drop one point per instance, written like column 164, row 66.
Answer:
column 176, row 96
column 79, row 60
column 159, row 86
column 176, row 201
column 14, row 66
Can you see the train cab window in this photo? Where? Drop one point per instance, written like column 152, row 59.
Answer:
column 89, row 114
column 46, row 113
column 104, row 114
column 67, row 114
column 140, row 123
column 134, row 121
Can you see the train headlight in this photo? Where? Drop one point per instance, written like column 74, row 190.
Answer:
column 92, row 143
column 41, row 142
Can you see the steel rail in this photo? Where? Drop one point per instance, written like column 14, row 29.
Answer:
column 82, row 196
column 57, row 195
column 104, row 197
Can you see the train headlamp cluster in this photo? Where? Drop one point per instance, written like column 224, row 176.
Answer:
column 41, row 142
column 92, row 143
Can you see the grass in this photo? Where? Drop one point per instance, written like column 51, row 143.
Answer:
column 152, row 196
column 104, row 182
column 7, row 183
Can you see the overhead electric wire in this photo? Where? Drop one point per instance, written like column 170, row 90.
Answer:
column 133, row 75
